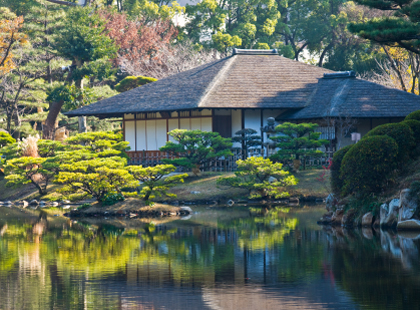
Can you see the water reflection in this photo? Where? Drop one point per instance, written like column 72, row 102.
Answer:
column 227, row 258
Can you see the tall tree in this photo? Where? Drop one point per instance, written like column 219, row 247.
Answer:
column 82, row 41
column 43, row 22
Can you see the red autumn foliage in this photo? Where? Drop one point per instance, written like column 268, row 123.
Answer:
column 140, row 41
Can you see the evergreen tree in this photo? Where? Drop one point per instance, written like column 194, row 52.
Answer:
column 399, row 29
column 85, row 43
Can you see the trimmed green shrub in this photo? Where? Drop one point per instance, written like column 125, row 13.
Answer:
column 413, row 115
column 401, row 133
column 131, row 82
column 369, row 165
column 337, row 182
column 415, row 127
column 6, row 139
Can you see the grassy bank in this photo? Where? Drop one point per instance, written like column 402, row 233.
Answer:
column 203, row 187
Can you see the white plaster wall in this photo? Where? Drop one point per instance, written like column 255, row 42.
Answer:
column 130, row 135
column 160, row 133
column 196, row 124
column 141, row 135
column 206, row 124
column 172, row 124
column 253, row 120
column 236, row 121
column 185, row 123
column 151, row 135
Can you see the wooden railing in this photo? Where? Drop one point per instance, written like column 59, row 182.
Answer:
column 153, row 158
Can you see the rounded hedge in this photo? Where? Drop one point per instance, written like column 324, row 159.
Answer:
column 415, row 127
column 401, row 133
column 337, row 182
column 369, row 165
column 413, row 115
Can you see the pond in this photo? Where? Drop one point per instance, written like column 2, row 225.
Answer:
column 218, row 258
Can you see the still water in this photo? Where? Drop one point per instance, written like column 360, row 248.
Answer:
column 224, row 258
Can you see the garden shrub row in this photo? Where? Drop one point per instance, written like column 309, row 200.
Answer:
column 370, row 165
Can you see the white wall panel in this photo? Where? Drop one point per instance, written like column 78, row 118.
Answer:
column 160, row 133
column 196, row 124
column 253, row 120
column 130, row 136
column 151, row 135
column 206, row 124
column 172, row 124
column 236, row 121
column 141, row 135
column 185, row 123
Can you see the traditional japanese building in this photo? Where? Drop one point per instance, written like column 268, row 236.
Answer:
column 243, row 91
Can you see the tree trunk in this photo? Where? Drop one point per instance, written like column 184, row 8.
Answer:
column 54, row 110
column 50, row 122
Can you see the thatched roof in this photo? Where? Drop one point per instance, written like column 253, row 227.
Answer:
column 352, row 97
column 259, row 79
column 243, row 80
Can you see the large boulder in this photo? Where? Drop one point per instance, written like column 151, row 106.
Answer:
column 408, row 206
column 337, row 217
column 409, row 225
column 367, row 219
column 330, row 202
column 389, row 213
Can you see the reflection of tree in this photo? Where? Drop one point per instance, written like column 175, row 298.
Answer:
column 73, row 257
column 375, row 281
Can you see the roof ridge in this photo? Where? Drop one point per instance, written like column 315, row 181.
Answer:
column 218, row 78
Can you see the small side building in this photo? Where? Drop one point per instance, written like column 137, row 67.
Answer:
column 243, row 91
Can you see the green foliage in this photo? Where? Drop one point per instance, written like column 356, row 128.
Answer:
column 413, row 115
column 399, row 29
column 72, row 96
column 50, row 148
column 337, row 182
column 248, row 138
column 369, row 166
column 401, row 133
column 6, row 139
column 297, row 141
column 29, row 170
column 100, row 141
column 415, row 128
column 155, row 181
column 194, row 148
column 112, row 198
column 83, row 39
column 84, row 206
column 254, row 175
column 131, row 82
column 95, row 177
column 363, row 205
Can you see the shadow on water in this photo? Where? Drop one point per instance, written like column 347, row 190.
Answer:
column 219, row 258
